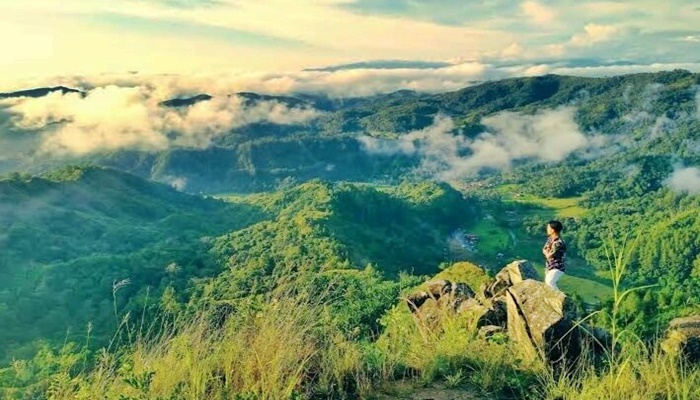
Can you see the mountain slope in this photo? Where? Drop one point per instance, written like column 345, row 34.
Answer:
column 39, row 92
column 260, row 156
column 322, row 227
column 69, row 235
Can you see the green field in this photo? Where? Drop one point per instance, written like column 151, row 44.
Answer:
column 502, row 233
column 561, row 208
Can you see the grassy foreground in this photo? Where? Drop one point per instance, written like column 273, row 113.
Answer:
column 286, row 346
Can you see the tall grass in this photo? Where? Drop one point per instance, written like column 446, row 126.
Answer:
column 440, row 346
column 632, row 368
column 280, row 348
column 285, row 346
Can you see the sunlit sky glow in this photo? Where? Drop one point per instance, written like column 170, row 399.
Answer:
column 89, row 37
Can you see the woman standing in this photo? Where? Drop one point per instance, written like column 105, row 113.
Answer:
column 555, row 253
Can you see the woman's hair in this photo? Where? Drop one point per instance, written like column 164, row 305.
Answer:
column 556, row 226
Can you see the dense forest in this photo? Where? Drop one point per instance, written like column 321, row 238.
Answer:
column 321, row 228
column 360, row 139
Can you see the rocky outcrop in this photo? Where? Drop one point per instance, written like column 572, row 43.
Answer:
column 542, row 321
column 511, row 274
column 539, row 319
column 683, row 338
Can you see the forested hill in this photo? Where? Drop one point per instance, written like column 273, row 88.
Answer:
column 70, row 237
column 91, row 254
column 358, row 138
column 67, row 236
column 261, row 156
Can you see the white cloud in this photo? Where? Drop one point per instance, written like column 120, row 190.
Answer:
column 344, row 83
column 538, row 12
column 595, row 33
column 643, row 115
column 685, row 179
column 387, row 147
column 113, row 117
column 326, row 31
column 537, row 70
column 548, row 136
column 662, row 127
column 121, row 111
column 108, row 118
column 612, row 70
column 692, row 38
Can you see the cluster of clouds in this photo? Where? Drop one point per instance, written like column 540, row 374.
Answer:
column 367, row 79
column 279, row 35
column 683, row 179
column 118, row 117
column 122, row 111
column 547, row 137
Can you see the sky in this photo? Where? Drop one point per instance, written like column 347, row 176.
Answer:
column 45, row 38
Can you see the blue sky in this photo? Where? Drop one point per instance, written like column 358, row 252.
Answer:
column 48, row 37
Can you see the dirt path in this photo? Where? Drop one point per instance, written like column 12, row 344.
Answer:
column 434, row 394
column 406, row 391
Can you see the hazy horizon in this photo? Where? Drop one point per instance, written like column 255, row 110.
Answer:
column 451, row 42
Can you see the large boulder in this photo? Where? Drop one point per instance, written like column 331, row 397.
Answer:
column 683, row 338
column 541, row 321
column 513, row 273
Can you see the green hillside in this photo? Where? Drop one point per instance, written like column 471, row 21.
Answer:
column 266, row 156
column 287, row 281
column 69, row 235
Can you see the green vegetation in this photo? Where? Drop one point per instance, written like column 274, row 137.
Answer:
column 70, row 235
column 299, row 301
column 289, row 344
column 115, row 287
column 267, row 156
column 559, row 207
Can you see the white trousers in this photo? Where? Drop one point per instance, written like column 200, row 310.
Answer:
column 552, row 277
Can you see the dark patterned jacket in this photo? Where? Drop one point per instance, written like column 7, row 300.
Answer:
column 558, row 259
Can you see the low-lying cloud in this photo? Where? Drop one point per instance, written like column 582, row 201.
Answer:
column 545, row 137
column 118, row 117
column 646, row 116
column 122, row 111
column 685, row 180
column 340, row 82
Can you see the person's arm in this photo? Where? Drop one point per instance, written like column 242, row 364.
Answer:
column 550, row 251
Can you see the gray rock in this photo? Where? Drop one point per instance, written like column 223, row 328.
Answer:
column 515, row 272
column 541, row 320
column 683, row 338
column 443, row 292
column 487, row 312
